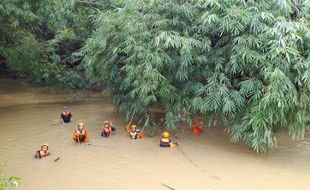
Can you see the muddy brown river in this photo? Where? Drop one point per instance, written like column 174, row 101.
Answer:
column 207, row 162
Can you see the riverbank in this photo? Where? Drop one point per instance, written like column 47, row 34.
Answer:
column 210, row 160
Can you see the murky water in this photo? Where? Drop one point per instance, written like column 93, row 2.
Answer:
column 27, row 115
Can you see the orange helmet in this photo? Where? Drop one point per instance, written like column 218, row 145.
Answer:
column 165, row 134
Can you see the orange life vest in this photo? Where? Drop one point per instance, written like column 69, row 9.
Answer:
column 198, row 125
column 43, row 153
column 66, row 113
column 80, row 136
column 134, row 134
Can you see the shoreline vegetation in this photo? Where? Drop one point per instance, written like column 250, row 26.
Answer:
column 5, row 182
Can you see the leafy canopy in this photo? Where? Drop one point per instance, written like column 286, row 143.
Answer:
column 242, row 63
column 42, row 38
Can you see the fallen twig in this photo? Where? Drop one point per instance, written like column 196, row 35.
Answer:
column 56, row 159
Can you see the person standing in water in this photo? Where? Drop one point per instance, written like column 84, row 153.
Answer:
column 107, row 129
column 65, row 116
column 166, row 142
column 134, row 132
column 43, row 152
column 80, row 135
column 198, row 125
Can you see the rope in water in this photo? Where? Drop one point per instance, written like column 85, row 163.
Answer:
column 167, row 186
column 190, row 160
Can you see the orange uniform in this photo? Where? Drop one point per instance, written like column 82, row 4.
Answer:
column 198, row 125
column 133, row 132
column 80, row 136
column 43, row 152
column 107, row 129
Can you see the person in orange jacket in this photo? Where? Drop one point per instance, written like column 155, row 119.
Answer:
column 198, row 125
column 107, row 129
column 134, row 132
column 43, row 152
column 80, row 135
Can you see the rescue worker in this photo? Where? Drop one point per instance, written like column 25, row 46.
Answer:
column 80, row 135
column 43, row 152
column 198, row 125
column 134, row 132
column 65, row 116
column 165, row 142
column 107, row 129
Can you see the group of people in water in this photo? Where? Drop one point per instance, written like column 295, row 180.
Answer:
column 80, row 134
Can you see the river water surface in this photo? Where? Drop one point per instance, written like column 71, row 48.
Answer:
column 28, row 116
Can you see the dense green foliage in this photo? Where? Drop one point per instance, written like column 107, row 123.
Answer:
column 42, row 38
column 243, row 64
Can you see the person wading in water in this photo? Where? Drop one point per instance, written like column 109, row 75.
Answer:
column 65, row 116
column 43, row 152
column 134, row 132
column 166, row 142
column 80, row 135
column 107, row 129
